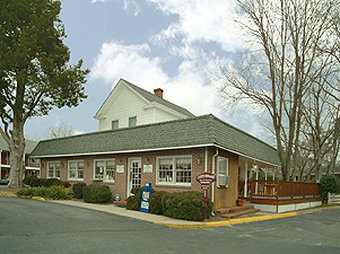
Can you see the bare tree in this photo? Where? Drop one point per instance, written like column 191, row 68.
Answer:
column 61, row 131
column 285, row 61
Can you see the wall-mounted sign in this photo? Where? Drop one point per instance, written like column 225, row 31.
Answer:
column 117, row 197
column 147, row 168
column 120, row 169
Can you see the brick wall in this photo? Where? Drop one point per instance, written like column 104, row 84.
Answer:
column 121, row 179
column 223, row 197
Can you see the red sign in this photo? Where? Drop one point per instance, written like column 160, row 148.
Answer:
column 206, row 178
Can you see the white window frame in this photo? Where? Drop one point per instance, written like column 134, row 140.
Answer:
column 105, row 175
column 219, row 174
column 68, row 170
column 47, row 177
column 131, row 118
column 117, row 120
column 173, row 170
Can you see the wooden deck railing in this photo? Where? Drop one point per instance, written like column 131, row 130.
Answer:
column 275, row 192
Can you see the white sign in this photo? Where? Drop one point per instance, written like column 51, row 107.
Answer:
column 120, row 169
column 147, row 168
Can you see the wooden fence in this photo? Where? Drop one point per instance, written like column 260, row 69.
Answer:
column 280, row 192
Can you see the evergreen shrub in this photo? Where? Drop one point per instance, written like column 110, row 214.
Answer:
column 186, row 206
column 133, row 203
column 329, row 184
column 97, row 193
column 78, row 189
column 155, row 202
column 32, row 181
column 54, row 192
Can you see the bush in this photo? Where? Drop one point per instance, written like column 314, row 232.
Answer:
column 51, row 182
column 136, row 198
column 155, row 202
column 329, row 184
column 78, row 189
column 57, row 192
column 136, row 190
column 32, row 181
column 53, row 192
column 97, row 193
column 186, row 206
column 65, row 184
column 133, row 203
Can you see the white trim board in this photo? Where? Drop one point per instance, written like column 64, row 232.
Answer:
column 155, row 149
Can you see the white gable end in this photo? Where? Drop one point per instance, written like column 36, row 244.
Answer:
column 124, row 102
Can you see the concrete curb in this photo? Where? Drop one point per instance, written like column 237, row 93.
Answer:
column 21, row 196
column 231, row 221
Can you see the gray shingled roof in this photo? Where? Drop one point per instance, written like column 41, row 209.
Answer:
column 30, row 145
column 196, row 131
column 154, row 98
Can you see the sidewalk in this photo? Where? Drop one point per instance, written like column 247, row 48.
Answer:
column 169, row 222
column 166, row 221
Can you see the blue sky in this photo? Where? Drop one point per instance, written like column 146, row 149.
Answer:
column 177, row 45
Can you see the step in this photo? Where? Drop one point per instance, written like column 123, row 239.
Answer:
column 233, row 209
column 239, row 213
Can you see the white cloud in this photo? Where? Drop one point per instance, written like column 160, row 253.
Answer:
column 190, row 88
column 202, row 20
column 128, row 4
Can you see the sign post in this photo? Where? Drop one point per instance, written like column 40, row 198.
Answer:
column 206, row 179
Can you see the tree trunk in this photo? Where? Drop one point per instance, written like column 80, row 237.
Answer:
column 17, row 153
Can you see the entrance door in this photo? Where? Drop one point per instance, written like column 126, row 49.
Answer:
column 135, row 174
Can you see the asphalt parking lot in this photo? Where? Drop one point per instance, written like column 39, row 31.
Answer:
column 32, row 226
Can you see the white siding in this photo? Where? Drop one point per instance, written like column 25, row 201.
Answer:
column 124, row 102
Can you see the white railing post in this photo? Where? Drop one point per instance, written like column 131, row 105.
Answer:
column 245, row 180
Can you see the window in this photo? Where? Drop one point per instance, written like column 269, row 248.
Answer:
column 53, row 169
column 104, row 170
column 115, row 124
column 222, row 172
column 76, row 170
column 132, row 121
column 174, row 170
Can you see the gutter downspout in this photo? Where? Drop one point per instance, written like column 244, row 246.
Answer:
column 213, row 171
column 206, row 160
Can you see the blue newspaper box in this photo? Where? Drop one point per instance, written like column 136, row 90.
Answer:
column 144, row 204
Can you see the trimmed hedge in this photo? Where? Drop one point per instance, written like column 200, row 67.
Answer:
column 34, row 181
column 56, row 192
column 155, row 202
column 78, row 189
column 186, row 206
column 97, row 193
column 329, row 184
column 133, row 203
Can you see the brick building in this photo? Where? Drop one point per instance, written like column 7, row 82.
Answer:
column 168, row 154
column 32, row 166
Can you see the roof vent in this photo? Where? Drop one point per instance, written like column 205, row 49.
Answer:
column 158, row 92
